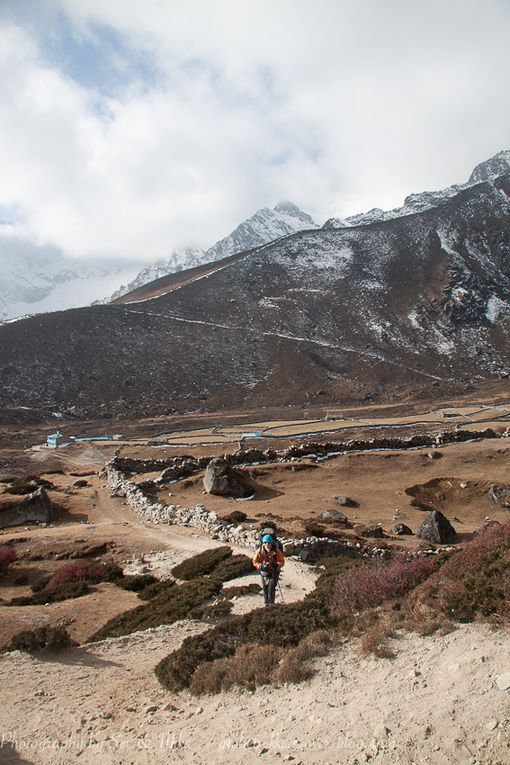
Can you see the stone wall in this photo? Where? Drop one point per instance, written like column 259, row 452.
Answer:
column 310, row 549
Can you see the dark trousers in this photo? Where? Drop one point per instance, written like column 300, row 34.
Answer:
column 269, row 587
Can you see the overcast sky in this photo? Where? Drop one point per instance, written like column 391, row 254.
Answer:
column 130, row 127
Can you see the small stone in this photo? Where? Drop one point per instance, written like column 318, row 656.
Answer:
column 491, row 725
column 381, row 731
column 503, row 681
column 153, row 708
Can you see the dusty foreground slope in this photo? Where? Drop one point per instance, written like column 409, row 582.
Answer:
column 437, row 702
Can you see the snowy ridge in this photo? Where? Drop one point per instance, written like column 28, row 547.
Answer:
column 263, row 227
column 426, row 200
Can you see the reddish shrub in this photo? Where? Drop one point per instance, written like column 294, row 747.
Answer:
column 370, row 585
column 474, row 581
column 7, row 557
column 78, row 571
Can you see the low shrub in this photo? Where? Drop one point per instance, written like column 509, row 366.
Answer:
column 137, row 582
column 279, row 626
column 7, row 557
column 28, row 485
column 242, row 589
column 313, row 529
column 42, row 638
column 201, row 564
column 156, row 589
column 367, row 586
column 253, row 664
column 236, row 516
column 218, row 610
column 173, row 604
column 233, row 567
column 63, row 591
column 474, row 582
column 83, row 571
column 250, row 666
column 375, row 641
column 41, row 584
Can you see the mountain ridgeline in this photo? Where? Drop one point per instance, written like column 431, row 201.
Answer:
column 415, row 305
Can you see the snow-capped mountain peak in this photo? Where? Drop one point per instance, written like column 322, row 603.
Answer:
column 266, row 225
column 499, row 164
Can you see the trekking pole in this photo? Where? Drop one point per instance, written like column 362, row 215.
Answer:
column 281, row 593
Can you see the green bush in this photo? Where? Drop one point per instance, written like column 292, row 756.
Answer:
column 242, row 589
column 156, row 589
column 233, row 567
column 63, row 591
column 136, row 583
column 41, row 583
column 201, row 564
column 217, row 610
column 281, row 626
column 173, row 604
column 49, row 638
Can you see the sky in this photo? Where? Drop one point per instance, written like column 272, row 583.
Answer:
column 128, row 128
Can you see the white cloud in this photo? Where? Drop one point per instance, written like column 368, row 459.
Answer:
column 339, row 106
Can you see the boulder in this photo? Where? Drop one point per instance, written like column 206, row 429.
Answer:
column 28, row 508
column 437, row 529
column 376, row 532
column 500, row 495
column 335, row 516
column 401, row 529
column 434, row 455
column 346, row 501
column 221, row 479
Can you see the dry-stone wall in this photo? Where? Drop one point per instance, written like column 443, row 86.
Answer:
column 310, row 548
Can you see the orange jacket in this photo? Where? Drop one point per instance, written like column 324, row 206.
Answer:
column 273, row 557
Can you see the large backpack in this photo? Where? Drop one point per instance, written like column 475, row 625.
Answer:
column 271, row 530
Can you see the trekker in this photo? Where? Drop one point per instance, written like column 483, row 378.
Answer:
column 269, row 561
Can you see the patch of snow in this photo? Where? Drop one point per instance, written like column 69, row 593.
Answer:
column 413, row 318
column 459, row 293
column 495, row 306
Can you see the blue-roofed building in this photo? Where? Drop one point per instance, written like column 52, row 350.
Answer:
column 55, row 440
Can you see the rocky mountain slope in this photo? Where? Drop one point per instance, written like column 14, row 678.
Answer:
column 264, row 226
column 417, row 304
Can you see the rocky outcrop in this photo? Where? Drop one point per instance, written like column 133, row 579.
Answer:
column 437, row 529
column 31, row 508
column 223, row 480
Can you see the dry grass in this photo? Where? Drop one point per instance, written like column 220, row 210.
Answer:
column 253, row 665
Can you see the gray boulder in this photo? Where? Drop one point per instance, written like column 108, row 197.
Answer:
column 335, row 516
column 29, row 508
column 346, row 501
column 221, row 479
column 437, row 529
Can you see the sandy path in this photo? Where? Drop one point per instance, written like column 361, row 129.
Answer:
column 437, row 702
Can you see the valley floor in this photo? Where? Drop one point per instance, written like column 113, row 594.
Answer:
column 437, row 701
